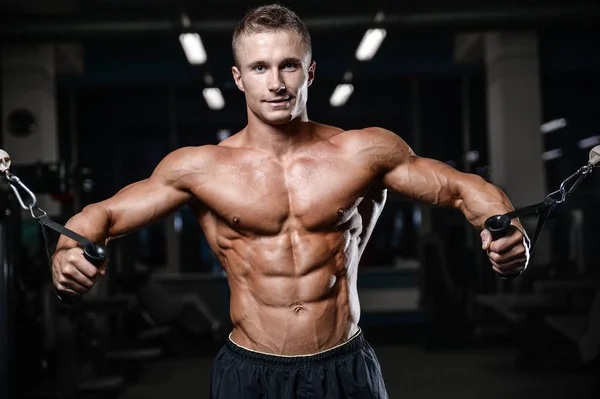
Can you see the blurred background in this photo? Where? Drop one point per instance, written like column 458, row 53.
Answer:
column 95, row 93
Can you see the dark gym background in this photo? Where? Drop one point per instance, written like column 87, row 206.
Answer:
column 123, row 95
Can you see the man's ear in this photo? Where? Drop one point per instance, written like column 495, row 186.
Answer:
column 237, row 77
column 311, row 72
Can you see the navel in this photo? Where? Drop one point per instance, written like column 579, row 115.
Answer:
column 299, row 309
column 236, row 220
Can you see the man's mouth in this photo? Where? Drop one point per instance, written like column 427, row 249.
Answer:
column 279, row 102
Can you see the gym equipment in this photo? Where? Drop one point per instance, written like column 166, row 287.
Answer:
column 94, row 253
column 61, row 323
column 9, row 237
column 499, row 225
column 7, row 296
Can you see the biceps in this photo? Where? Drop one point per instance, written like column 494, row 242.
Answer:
column 142, row 203
column 425, row 180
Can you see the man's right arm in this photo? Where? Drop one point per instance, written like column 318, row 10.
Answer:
column 133, row 207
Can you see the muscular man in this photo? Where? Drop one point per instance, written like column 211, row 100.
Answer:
column 288, row 205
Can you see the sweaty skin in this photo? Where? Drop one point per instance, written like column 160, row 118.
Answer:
column 287, row 205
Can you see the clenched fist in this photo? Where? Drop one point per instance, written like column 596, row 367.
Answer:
column 509, row 255
column 72, row 274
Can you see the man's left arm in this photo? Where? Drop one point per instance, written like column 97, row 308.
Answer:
column 433, row 182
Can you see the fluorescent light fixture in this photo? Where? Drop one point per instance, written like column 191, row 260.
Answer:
column 213, row 97
column 341, row 94
column 588, row 142
column 177, row 223
column 370, row 44
column 552, row 154
column 193, row 48
column 223, row 134
column 554, row 125
column 417, row 216
column 186, row 22
column 472, row 156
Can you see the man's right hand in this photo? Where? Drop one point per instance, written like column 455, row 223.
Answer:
column 72, row 274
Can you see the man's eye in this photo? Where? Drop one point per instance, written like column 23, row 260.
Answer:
column 290, row 65
column 259, row 68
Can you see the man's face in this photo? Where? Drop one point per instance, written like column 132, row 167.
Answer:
column 274, row 73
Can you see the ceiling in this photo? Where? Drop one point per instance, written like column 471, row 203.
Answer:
column 121, row 36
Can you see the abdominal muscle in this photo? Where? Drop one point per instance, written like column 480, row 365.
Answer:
column 292, row 294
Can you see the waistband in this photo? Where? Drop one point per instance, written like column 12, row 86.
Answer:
column 355, row 343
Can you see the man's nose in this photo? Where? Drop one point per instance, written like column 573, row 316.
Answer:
column 276, row 84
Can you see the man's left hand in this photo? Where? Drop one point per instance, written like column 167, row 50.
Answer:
column 509, row 255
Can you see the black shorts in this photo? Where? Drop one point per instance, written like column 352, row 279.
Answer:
column 350, row 370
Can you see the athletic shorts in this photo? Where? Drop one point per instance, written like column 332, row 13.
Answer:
column 350, row 370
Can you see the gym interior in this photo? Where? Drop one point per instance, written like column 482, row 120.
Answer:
column 95, row 93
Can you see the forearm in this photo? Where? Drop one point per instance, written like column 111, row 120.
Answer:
column 134, row 207
column 93, row 223
column 478, row 200
column 433, row 182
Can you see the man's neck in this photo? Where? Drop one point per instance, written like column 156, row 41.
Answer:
column 278, row 140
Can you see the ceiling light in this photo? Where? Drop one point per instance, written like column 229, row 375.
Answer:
column 370, row 44
column 553, row 125
column 341, row 94
column 588, row 142
column 193, row 48
column 552, row 154
column 214, row 98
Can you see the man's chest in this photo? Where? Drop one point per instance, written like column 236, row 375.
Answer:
column 263, row 196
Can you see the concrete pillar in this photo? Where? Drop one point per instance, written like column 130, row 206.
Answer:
column 28, row 72
column 515, row 144
column 514, row 115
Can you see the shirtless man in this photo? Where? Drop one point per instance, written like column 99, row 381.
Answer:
column 288, row 205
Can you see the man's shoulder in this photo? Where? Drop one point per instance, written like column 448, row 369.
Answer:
column 189, row 158
column 364, row 138
column 193, row 152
